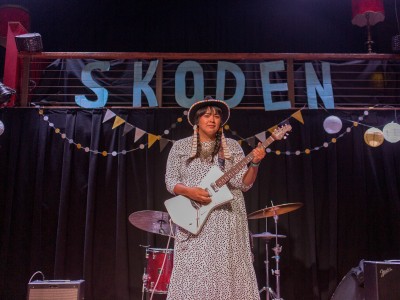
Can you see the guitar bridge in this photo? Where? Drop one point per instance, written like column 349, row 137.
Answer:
column 214, row 187
column 195, row 205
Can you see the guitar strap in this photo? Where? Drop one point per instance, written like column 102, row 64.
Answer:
column 221, row 159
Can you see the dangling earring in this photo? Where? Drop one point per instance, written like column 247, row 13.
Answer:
column 227, row 153
column 194, row 142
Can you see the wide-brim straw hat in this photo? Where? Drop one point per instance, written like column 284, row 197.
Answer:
column 225, row 111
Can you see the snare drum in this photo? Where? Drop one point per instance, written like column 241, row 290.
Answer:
column 155, row 258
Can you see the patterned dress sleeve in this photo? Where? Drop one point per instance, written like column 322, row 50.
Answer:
column 173, row 174
column 237, row 155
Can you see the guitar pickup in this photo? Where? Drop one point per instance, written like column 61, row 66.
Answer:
column 214, row 187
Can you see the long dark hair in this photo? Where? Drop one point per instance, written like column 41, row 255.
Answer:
column 200, row 112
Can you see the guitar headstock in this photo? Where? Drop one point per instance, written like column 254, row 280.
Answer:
column 281, row 131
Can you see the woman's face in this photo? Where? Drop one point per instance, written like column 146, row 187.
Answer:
column 209, row 124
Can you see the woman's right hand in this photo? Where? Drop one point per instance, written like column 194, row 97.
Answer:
column 199, row 195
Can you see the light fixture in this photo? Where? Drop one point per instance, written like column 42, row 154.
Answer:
column 391, row 132
column 12, row 13
column 367, row 13
column 332, row 124
column 29, row 42
column 5, row 93
column 373, row 137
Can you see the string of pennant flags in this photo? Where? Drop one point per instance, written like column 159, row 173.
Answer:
column 118, row 121
column 151, row 138
column 331, row 127
column 251, row 141
column 262, row 136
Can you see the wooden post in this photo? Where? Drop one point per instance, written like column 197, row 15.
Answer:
column 24, row 83
column 159, row 82
column 290, row 79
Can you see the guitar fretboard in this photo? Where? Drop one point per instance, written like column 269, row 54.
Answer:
column 236, row 168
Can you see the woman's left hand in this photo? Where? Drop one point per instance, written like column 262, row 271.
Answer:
column 250, row 176
column 258, row 154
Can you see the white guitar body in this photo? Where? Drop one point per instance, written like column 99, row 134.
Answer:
column 192, row 216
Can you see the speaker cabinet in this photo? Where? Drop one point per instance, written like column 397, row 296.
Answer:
column 382, row 280
column 56, row 289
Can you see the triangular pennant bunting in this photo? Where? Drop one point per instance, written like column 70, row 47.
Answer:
column 251, row 141
column 138, row 134
column 151, row 139
column 261, row 136
column 163, row 143
column 109, row 114
column 128, row 127
column 273, row 128
column 117, row 122
column 298, row 116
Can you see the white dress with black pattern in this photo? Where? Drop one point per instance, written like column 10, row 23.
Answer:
column 217, row 263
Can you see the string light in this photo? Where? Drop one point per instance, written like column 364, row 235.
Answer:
column 105, row 153
column 371, row 136
column 307, row 151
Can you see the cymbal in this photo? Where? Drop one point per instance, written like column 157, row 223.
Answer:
column 274, row 210
column 152, row 221
column 268, row 235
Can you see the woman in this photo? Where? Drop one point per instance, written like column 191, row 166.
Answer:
column 217, row 262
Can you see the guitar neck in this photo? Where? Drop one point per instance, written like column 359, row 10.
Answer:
column 238, row 166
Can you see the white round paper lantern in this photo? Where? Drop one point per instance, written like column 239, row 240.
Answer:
column 332, row 124
column 391, row 132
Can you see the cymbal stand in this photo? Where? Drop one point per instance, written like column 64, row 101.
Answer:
column 267, row 288
column 277, row 250
column 145, row 275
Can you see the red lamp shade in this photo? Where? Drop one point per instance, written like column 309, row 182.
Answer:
column 13, row 13
column 367, row 9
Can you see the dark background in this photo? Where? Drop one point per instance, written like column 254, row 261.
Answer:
column 65, row 212
column 261, row 26
column 267, row 26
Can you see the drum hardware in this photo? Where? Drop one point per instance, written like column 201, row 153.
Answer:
column 153, row 221
column 268, row 236
column 273, row 211
column 144, row 276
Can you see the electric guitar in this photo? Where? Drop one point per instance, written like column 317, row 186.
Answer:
column 191, row 215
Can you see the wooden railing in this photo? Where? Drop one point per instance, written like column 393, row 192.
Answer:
column 359, row 80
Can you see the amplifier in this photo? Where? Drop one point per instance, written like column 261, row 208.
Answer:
column 56, row 289
column 381, row 280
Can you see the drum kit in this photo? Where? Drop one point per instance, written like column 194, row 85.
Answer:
column 159, row 262
column 272, row 211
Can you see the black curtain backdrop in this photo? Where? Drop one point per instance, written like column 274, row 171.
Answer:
column 64, row 211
